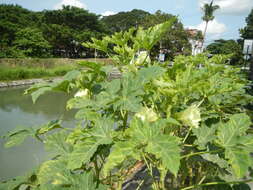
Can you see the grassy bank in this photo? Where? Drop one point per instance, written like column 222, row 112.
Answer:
column 18, row 69
column 18, row 73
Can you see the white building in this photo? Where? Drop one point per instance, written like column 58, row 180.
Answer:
column 195, row 40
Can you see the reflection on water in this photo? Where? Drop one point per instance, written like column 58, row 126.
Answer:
column 17, row 109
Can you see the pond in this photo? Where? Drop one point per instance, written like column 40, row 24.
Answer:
column 17, row 109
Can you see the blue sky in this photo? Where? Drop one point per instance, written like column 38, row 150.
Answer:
column 226, row 25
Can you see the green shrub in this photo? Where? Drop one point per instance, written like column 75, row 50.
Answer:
column 190, row 124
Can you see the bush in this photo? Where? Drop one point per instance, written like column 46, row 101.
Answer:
column 188, row 124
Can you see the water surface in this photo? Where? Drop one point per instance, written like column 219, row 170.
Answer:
column 17, row 109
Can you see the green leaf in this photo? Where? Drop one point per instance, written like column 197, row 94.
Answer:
column 246, row 142
column 240, row 161
column 163, row 147
column 204, row 135
column 240, row 121
column 120, row 152
column 232, row 136
column 71, row 75
column 101, row 134
column 130, row 98
column 18, row 136
column 229, row 132
column 49, row 170
column 146, row 74
column 166, row 148
column 214, row 158
column 51, row 187
column 242, row 186
column 36, row 94
column 97, row 44
column 90, row 65
column 113, row 87
column 56, row 143
column 49, row 127
column 13, row 184
column 56, row 173
column 146, row 39
column 84, row 151
column 142, row 132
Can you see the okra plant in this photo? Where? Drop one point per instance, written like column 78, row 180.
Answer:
column 188, row 127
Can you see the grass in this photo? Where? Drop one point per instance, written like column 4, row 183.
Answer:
column 18, row 69
column 18, row 73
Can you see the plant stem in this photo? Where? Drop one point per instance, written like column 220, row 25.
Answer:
column 125, row 120
column 199, row 153
column 187, row 135
column 202, row 179
column 150, row 171
column 216, row 183
column 96, row 170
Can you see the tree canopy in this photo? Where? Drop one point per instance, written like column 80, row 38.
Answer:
column 60, row 33
column 122, row 21
column 247, row 31
column 208, row 10
column 227, row 47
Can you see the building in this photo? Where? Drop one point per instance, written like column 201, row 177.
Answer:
column 196, row 40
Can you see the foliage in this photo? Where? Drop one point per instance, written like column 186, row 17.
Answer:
column 60, row 33
column 188, row 123
column 208, row 10
column 57, row 33
column 123, row 21
column 247, row 31
column 227, row 47
column 174, row 41
column 67, row 28
column 31, row 43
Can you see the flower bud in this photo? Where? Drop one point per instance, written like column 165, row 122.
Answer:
column 82, row 93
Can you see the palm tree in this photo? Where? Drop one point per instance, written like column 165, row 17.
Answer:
column 208, row 16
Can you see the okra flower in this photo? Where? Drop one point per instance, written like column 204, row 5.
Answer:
column 82, row 93
column 147, row 114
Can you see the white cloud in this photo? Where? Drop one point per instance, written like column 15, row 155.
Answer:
column 232, row 7
column 74, row 3
column 108, row 13
column 215, row 29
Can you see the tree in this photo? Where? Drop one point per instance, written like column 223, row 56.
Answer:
column 12, row 19
column 31, row 43
column 227, row 47
column 64, row 30
column 208, row 16
column 184, row 123
column 247, row 31
column 174, row 41
column 124, row 20
column 67, row 28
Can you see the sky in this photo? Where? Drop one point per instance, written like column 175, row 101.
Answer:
column 228, row 19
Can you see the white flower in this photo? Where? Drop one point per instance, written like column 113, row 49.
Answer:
column 147, row 114
column 190, row 116
column 82, row 93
